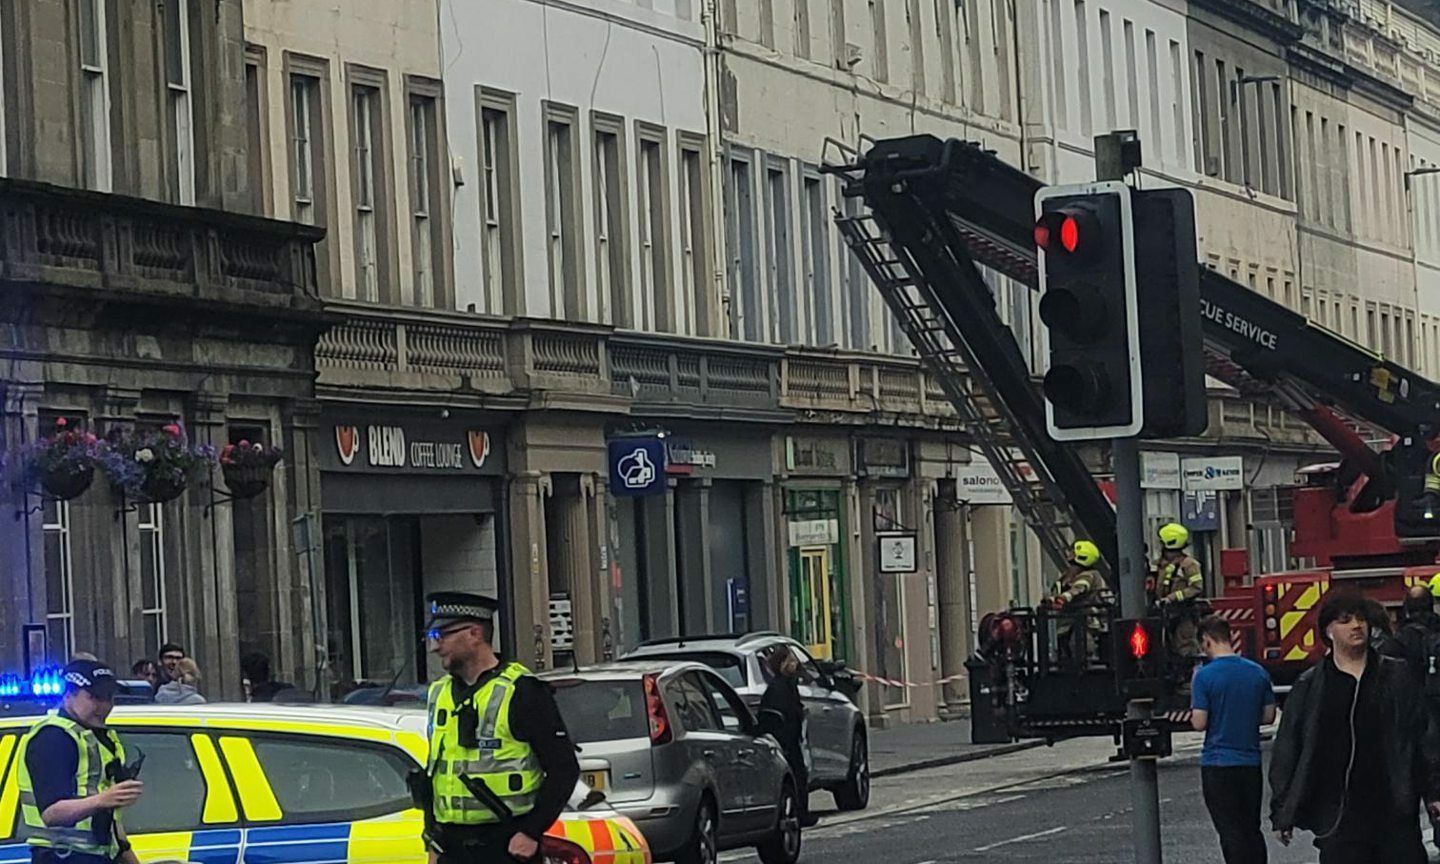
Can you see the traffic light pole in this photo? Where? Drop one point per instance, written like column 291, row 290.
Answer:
column 1116, row 155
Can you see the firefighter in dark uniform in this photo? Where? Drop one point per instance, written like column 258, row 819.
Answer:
column 1178, row 585
column 1081, row 585
column 497, row 741
column 74, row 779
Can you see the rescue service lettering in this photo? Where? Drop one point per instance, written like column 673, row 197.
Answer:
column 1230, row 321
column 387, row 446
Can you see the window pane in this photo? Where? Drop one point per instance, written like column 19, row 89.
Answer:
column 89, row 33
column 603, row 710
column 318, row 781
column 55, row 587
column 174, row 42
column 174, row 786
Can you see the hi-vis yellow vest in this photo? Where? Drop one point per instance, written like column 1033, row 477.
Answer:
column 504, row 763
column 91, row 778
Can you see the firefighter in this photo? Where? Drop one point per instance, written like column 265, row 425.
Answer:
column 492, row 726
column 1178, row 585
column 1080, row 585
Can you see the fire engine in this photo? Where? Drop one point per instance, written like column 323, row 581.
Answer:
column 937, row 216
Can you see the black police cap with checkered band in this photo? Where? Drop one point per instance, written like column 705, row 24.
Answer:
column 449, row 607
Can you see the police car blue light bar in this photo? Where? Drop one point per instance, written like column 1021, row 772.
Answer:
column 44, row 684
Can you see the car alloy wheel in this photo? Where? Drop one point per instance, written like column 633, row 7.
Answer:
column 707, row 846
column 783, row 846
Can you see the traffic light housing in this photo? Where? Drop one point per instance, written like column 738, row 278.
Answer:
column 1140, row 656
column 1167, row 284
column 1089, row 309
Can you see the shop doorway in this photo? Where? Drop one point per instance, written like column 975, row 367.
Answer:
column 812, row 602
column 378, row 570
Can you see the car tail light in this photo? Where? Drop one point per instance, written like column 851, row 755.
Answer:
column 655, row 707
column 553, row 850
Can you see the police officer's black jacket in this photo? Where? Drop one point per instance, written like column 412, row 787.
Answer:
column 1410, row 754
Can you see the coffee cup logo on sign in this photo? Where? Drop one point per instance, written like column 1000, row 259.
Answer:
column 347, row 443
column 479, row 447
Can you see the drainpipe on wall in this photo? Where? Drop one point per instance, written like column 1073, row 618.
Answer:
column 715, row 135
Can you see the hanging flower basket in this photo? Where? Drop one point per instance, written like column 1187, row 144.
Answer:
column 62, row 465
column 248, row 468
column 64, row 483
column 155, row 466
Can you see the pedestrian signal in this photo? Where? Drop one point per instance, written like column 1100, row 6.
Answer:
column 1140, row 656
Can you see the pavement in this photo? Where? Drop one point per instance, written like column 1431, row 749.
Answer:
column 918, row 746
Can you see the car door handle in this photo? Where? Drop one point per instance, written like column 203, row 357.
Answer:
column 708, row 754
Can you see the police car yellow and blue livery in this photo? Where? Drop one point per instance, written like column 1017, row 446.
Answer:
column 286, row 784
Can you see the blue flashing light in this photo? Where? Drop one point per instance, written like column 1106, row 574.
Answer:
column 44, row 684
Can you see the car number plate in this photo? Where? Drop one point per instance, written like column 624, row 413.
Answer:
column 594, row 779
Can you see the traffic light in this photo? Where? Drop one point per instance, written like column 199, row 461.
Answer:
column 1090, row 337
column 1139, row 652
column 1167, row 284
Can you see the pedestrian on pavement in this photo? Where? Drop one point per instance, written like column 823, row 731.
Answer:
column 1354, row 757
column 183, row 688
column 1231, row 699
column 782, row 714
column 170, row 654
column 144, row 670
column 494, row 724
column 259, row 686
column 1418, row 628
column 70, row 804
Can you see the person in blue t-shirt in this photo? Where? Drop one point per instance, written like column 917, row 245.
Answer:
column 1232, row 698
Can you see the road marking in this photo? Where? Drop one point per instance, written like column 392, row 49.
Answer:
column 1021, row 839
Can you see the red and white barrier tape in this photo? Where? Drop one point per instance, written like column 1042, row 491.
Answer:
column 898, row 684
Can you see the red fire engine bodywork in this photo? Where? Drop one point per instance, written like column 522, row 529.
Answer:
column 1275, row 615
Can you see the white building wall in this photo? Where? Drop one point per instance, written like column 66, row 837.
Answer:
column 1099, row 67
column 1423, row 142
column 642, row 61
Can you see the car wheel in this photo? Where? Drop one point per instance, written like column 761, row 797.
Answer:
column 854, row 794
column 703, row 847
column 783, row 845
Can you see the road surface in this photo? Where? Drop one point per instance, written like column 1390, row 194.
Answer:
column 1052, row 804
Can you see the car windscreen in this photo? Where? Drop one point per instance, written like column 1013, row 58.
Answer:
column 602, row 710
column 727, row 665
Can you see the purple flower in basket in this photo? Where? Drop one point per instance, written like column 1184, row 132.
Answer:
column 155, row 464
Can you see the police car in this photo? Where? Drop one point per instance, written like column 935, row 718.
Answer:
column 273, row 784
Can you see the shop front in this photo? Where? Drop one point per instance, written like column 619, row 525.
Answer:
column 411, row 504
column 816, row 496
column 690, row 544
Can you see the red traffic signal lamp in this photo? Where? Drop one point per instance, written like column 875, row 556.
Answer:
column 1068, row 232
column 1090, row 338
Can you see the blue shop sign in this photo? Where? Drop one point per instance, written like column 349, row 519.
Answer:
column 637, row 467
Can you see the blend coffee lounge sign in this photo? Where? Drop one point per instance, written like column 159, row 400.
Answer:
column 411, row 448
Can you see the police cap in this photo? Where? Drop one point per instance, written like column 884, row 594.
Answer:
column 453, row 607
column 91, row 675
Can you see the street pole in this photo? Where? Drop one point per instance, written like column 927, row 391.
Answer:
column 1113, row 160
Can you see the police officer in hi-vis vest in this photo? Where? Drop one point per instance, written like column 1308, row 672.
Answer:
column 497, row 742
column 74, row 779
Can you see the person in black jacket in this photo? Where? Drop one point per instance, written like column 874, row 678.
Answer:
column 1418, row 628
column 782, row 714
column 1355, row 754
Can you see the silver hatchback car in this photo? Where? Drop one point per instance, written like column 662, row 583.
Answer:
column 839, row 747
column 674, row 748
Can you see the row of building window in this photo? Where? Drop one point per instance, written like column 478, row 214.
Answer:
column 969, row 43
column 637, row 283
column 373, row 217
column 149, row 535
